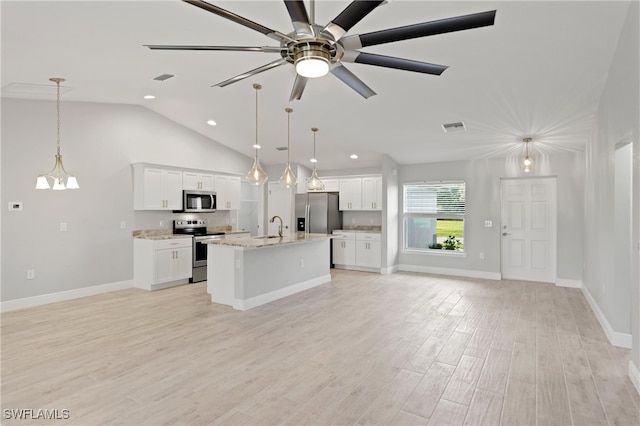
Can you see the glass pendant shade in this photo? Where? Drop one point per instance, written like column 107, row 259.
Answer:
column 256, row 175
column 288, row 179
column 58, row 174
column 314, row 183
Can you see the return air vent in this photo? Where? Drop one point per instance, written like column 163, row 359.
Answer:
column 454, row 127
column 281, row 148
column 164, row 77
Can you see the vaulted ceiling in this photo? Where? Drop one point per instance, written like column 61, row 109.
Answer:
column 538, row 72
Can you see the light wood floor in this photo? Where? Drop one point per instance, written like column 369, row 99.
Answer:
column 364, row 349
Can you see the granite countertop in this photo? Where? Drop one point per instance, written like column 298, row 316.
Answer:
column 361, row 228
column 258, row 242
column 167, row 234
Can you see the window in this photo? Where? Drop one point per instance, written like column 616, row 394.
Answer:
column 434, row 216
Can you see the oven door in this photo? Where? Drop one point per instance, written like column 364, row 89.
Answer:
column 200, row 249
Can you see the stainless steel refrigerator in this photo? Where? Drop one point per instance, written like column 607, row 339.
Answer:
column 318, row 212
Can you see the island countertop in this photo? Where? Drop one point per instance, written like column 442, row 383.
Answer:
column 270, row 241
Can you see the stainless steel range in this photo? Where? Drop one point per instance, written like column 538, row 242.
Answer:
column 197, row 228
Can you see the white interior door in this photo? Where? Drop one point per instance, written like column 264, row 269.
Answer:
column 280, row 200
column 529, row 229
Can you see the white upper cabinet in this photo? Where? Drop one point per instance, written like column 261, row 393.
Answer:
column 350, row 194
column 198, row 181
column 227, row 192
column 155, row 188
column 372, row 193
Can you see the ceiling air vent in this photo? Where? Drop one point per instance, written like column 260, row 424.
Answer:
column 454, row 127
column 281, row 148
column 164, row 77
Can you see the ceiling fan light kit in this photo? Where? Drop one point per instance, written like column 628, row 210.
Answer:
column 316, row 51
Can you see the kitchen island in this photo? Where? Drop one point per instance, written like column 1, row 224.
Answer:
column 249, row 272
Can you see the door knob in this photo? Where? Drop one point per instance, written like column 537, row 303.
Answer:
column 504, row 234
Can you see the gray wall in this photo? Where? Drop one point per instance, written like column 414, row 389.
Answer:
column 482, row 179
column 618, row 120
column 98, row 143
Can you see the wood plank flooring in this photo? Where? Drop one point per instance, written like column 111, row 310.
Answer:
column 404, row 349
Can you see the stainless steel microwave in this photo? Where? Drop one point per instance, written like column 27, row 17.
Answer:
column 198, row 201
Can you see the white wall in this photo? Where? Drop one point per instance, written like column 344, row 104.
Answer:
column 482, row 179
column 618, row 120
column 98, row 143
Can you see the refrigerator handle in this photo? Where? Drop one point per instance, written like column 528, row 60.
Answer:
column 307, row 213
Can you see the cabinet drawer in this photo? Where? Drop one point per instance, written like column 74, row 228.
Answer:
column 367, row 237
column 172, row 243
column 345, row 235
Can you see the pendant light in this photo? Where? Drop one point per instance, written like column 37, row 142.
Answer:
column 527, row 162
column 61, row 179
column 256, row 175
column 288, row 179
column 314, row 183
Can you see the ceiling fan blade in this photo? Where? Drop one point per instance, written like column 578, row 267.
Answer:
column 276, row 35
column 251, row 73
column 397, row 63
column 350, row 16
column 298, row 88
column 352, row 81
column 266, row 49
column 442, row 26
column 299, row 18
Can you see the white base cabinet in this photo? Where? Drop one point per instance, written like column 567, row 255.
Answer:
column 357, row 250
column 161, row 263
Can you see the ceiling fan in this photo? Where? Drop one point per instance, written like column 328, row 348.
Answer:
column 317, row 50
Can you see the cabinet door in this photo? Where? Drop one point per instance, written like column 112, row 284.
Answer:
column 233, row 192
column 163, row 266
column 222, row 198
column 173, row 189
column 372, row 193
column 207, row 182
column 182, row 263
column 350, row 194
column 368, row 254
column 153, row 189
column 338, row 251
column 190, row 180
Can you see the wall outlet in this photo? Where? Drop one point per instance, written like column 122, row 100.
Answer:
column 302, row 263
column 488, row 224
column 481, row 255
column 371, row 221
column 162, row 224
column 123, row 225
column 15, row 206
column 353, row 221
column 63, row 226
column 31, row 274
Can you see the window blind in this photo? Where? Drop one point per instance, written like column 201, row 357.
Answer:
column 441, row 198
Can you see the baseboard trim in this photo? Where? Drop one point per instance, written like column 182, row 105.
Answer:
column 262, row 299
column 616, row 339
column 390, row 270
column 450, row 271
column 44, row 299
column 634, row 375
column 563, row 282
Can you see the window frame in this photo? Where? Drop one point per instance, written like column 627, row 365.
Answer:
column 444, row 215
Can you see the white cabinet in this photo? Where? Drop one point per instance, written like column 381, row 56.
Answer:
column 344, row 249
column 198, row 181
column 156, row 188
column 161, row 263
column 330, row 185
column 372, row 193
column 227, row 192
column 350, row 194
column 357, row 250
column 368, row 250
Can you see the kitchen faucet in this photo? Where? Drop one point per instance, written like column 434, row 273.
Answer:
column 273, row 219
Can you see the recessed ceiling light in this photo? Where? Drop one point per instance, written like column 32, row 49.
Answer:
column 353, row 156
column 313, row 160
column 211, row 122
column 149, row 97
column 256, row 146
